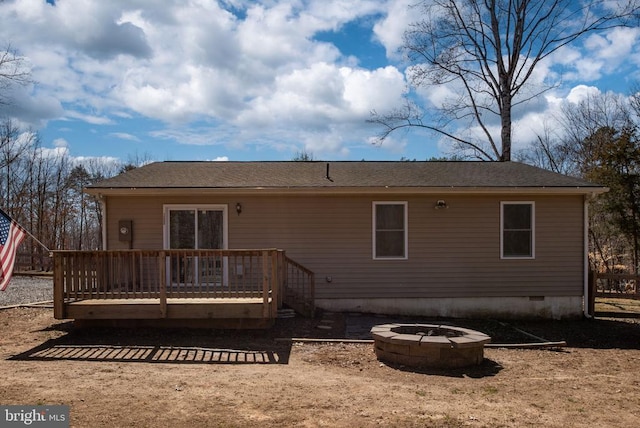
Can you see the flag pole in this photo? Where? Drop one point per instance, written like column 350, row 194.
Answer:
column 25, row 230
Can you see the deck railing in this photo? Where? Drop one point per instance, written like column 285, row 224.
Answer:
column 299, row 288
column 266, row 274
column 187, row 274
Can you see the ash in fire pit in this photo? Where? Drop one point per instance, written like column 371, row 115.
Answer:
column 429, row 345
column 426, row 330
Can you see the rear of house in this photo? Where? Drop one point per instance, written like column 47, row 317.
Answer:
column 458, row 239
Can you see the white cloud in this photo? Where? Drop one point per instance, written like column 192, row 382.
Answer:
column 106, row 160
column 94, row 28
column 529, row 126
column 393, row 144
column 211, row 135
column 581, row 92
column 89, row 118
column 614, row 45
column 60, row 149
column 390, row 30
column 60, row 143
column 533, row 123
column 272, row 37
column 437, row 95
column 30, row 108
column 372, row 90
column 125, row 136
column 252, row 72
column 323, row 95
column 597, row 56
column 249, row 73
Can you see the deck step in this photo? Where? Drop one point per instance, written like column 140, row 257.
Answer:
column 286, row 313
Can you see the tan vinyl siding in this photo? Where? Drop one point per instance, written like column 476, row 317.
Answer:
column 452, row 252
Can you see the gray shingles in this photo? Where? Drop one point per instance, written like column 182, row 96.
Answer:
column 348, row 174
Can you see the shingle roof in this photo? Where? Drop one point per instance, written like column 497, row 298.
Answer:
column 341, row 174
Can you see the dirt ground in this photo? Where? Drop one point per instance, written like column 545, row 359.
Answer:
column 200, row 378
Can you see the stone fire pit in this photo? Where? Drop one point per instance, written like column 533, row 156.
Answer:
column 429, row 345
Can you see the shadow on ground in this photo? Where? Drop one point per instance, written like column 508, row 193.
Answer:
column 487, row 368
column 207, row 346
column 177, row 346
column 597, row 333
column 600, row 333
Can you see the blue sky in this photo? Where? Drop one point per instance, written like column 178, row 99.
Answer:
column 249, row 80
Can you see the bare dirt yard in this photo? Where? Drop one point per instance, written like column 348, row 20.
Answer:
column 202, row 378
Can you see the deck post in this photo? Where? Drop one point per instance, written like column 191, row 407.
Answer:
column 265, row 283
column 58, row 287
column 275, row 283
column 591, row 297
column 282, row 276
column 163, row 283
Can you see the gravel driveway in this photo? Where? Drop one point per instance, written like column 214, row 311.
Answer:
column 27, row 289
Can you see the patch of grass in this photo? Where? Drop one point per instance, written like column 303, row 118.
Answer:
column 491, row 390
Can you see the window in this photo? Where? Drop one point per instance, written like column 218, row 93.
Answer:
column 517, row 223
column 389, row 230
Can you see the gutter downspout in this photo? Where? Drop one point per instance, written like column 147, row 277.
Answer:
column 585, row 299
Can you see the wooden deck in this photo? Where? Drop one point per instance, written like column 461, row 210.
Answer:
column 178, row 286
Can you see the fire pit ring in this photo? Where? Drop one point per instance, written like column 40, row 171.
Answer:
column 429, row 345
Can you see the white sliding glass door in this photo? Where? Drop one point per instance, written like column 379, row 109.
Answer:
column 196, row 227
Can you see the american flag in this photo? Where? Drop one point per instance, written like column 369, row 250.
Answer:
column 11, row 235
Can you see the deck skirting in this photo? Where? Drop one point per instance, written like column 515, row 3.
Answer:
column 176, row 308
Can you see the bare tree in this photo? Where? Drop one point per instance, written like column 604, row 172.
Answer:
column 634, row 99
column 134, row 161
column 43, row 190
column 303, row 156
column 14, row 142
column 488, row 50
column 13, row 70
column 548, row 152
column 597, row 139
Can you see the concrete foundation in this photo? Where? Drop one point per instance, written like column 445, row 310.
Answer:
column 471, row 307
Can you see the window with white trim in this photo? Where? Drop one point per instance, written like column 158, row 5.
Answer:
column 517, row 224
column 390, row 230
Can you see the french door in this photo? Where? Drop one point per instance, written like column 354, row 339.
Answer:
column 196, row 227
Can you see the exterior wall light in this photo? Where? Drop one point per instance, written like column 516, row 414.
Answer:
column 441, row 204
column 239, row 208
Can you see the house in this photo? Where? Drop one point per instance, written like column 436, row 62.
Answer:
column 451, row 239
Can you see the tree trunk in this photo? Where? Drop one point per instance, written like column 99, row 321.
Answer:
column 505, row 116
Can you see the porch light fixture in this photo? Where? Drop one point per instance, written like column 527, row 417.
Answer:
column 238, row 208
column 441, row 204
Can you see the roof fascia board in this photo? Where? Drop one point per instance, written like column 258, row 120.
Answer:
column 147, row 191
